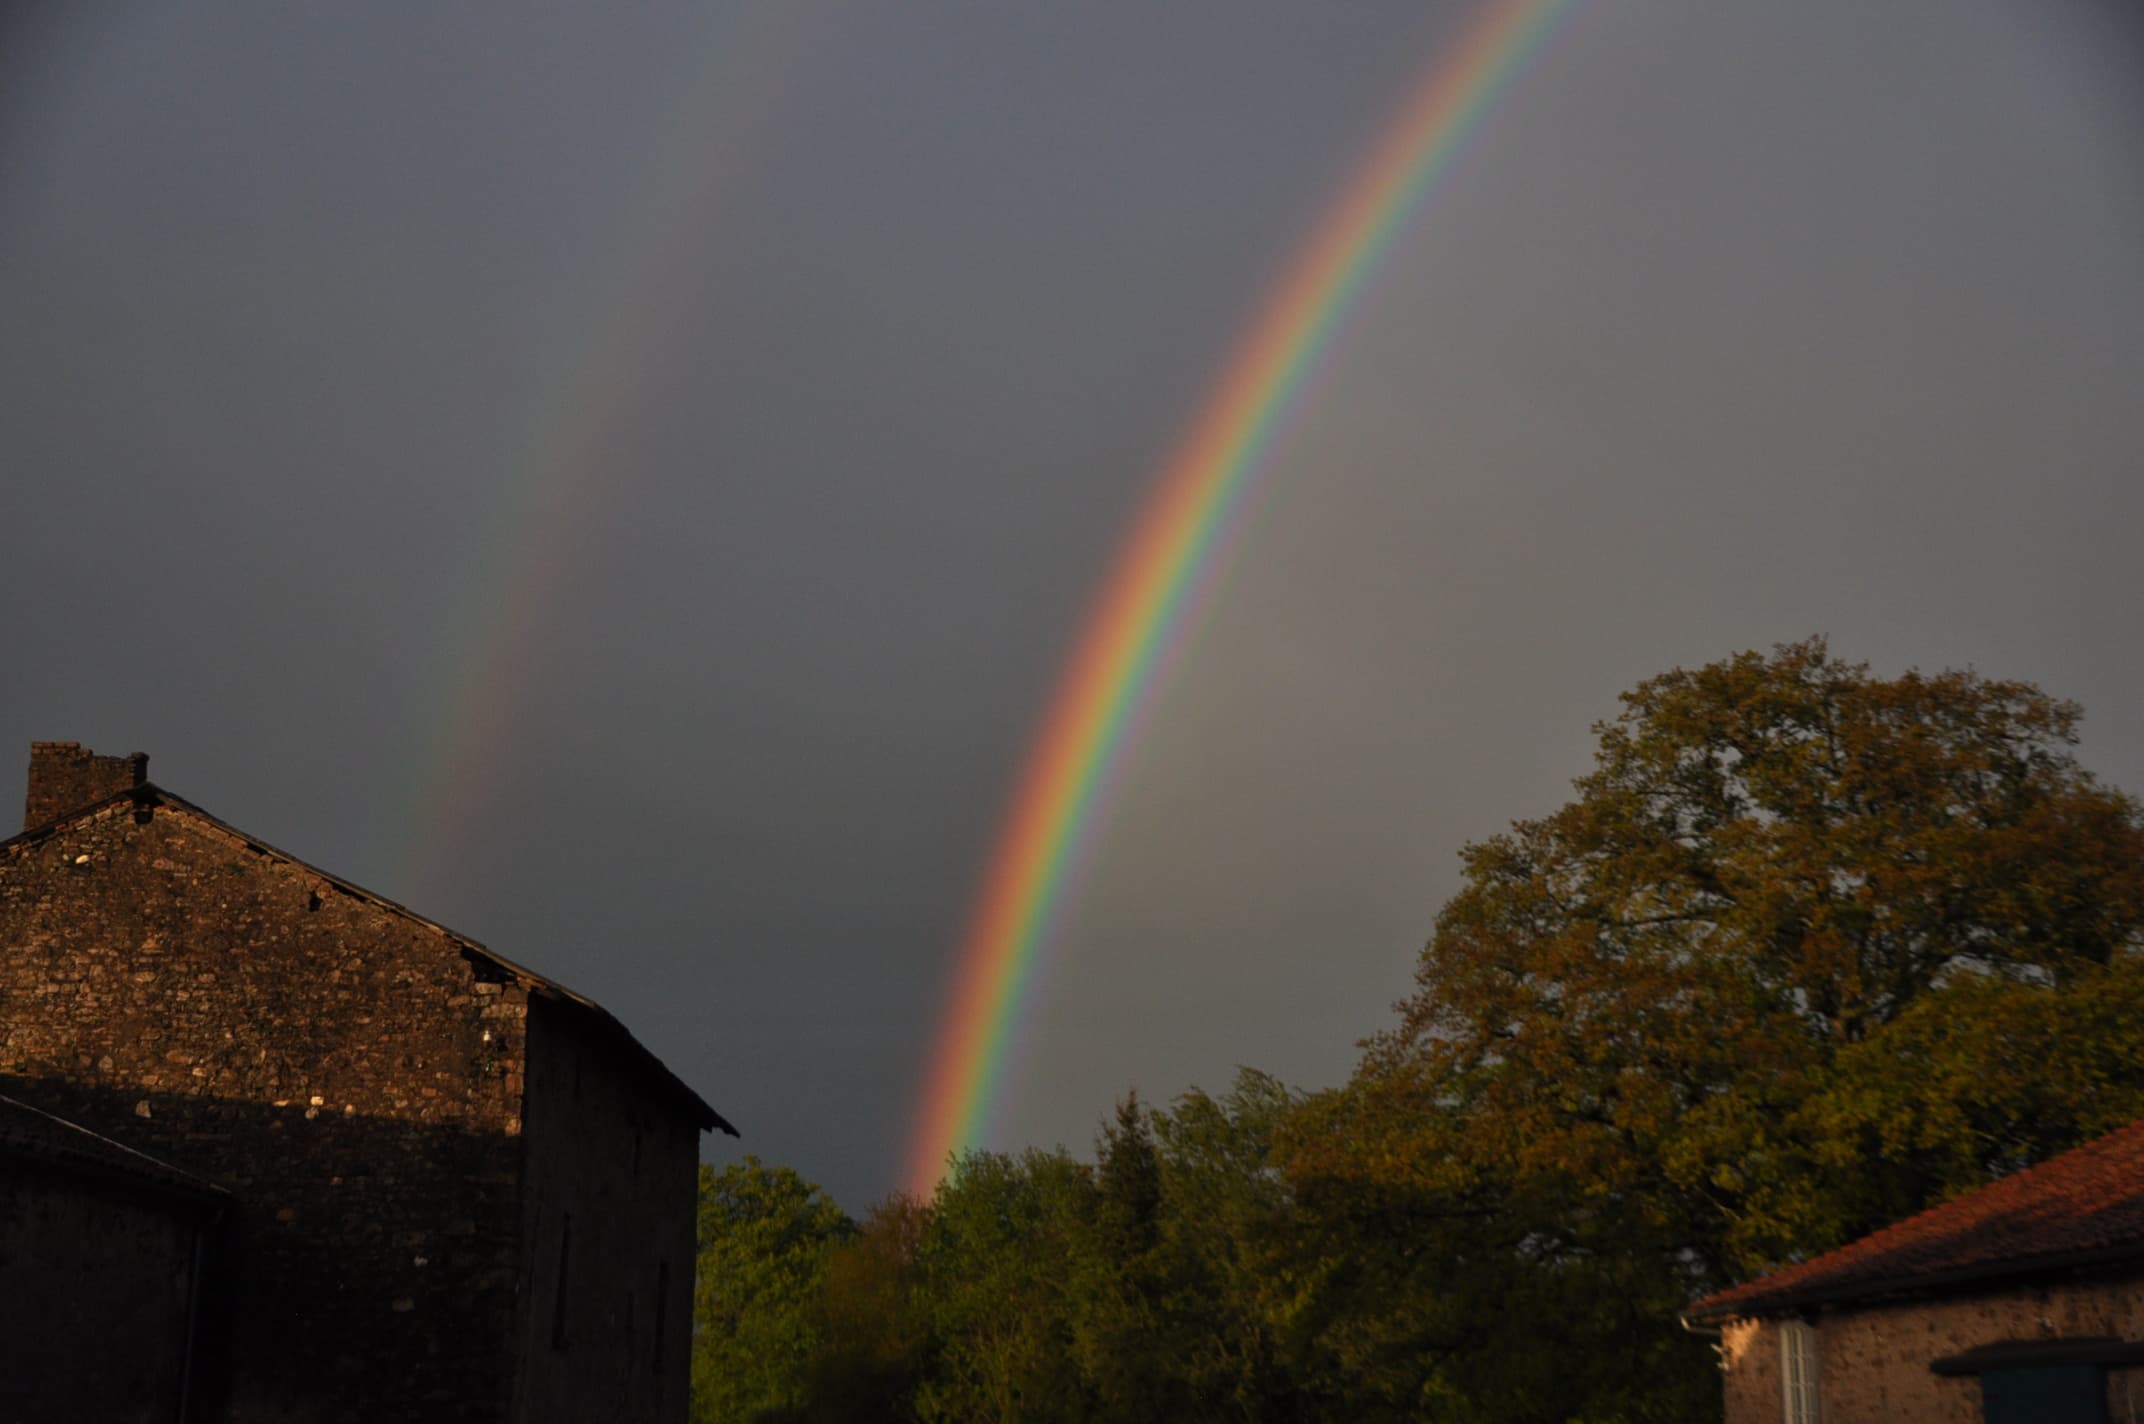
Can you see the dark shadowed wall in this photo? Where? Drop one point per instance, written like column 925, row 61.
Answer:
column 607, row 1223
column 97, row 1307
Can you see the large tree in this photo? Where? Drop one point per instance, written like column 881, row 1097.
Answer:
column 1809, row 949
column 997, row 1265
column 765, row 1235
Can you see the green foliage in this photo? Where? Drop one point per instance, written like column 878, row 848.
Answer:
column 995, row 1267
column 1987, row 1076
column 1808, row 950
column 873, row 1322
column 764, row 1238
column 1134, row 1316
column 1156, row 1284
column 1229, row 1255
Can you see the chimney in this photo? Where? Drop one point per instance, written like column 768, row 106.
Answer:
column 66, row 776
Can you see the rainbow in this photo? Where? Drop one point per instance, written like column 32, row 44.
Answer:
column 1167, row 555
column 580, row 415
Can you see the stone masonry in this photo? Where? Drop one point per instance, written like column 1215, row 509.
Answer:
column 1873, row 1362
column 460, row 1191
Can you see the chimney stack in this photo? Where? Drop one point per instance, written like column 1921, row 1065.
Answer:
column 66, row 776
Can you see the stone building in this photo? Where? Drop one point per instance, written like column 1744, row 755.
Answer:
column 452, row 1189
column 2019, row 1303
column 97, row 1242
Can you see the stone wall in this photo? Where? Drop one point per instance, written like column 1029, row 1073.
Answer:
column 608, row 1223
column 65, row 776
column 1873, row 1363
column 96, row 1309
column 347, row 1072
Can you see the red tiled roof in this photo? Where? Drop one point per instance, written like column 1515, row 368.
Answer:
column 2083, row 1207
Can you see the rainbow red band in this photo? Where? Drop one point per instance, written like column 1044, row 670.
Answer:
column 1197, row 489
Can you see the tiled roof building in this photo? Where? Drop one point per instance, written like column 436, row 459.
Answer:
column 2020, row 1301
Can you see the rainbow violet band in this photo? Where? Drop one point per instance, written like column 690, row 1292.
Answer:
column 1168, row 554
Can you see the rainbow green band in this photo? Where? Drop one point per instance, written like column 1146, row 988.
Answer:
column 1166, row 557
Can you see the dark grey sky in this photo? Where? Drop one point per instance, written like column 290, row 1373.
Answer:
column 757, row 396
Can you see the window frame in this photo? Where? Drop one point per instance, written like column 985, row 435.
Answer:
column 1799, row 1373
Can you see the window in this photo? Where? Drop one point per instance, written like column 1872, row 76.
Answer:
column 1797, row 1373
column 565, row 1259
column 662, row 1310
column 2050, row 1394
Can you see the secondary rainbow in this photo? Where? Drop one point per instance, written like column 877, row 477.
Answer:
column 1167, row 554
column 578, row 423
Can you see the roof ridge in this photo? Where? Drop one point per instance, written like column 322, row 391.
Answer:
column 150, row 794
column 2015, row 1192
column 1950, row 1204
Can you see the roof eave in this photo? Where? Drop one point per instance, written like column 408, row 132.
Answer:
column 1763, row 1304
column 704, row 1115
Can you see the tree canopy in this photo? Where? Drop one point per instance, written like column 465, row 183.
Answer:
column 1808, row 950
column 764, row 1237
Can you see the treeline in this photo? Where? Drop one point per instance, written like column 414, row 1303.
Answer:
column 1809, row 950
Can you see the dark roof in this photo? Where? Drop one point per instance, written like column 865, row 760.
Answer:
column 592, row 1015
column 32, row 1133
column 2083, row 1208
